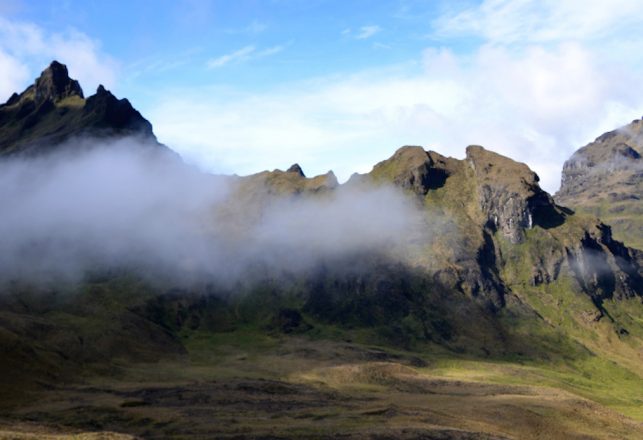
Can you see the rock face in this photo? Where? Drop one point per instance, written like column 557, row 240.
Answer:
column 55, row 85
column 605, row 178
column 108, row 115
column 295, row 168
column 603, row 267
column 510, row 196
column 54, row 110
column 493, row 201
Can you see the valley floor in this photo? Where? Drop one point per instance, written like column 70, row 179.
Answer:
column 246, row 385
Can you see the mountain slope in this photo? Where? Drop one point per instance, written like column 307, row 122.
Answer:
column 605, row 178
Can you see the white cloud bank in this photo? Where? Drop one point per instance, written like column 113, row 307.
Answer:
column 244, row 54
column 545, row 78
column 121, row 204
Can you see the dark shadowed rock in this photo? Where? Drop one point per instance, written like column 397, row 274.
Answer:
column 110, row 115
column 414, row 169
column 295, row 168
column 54, row 84
column 603, row 267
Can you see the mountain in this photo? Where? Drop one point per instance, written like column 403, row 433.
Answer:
column 54, row 110
column 605, row 178
column 501, row 315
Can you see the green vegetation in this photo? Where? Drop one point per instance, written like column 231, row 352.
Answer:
column 625, row 218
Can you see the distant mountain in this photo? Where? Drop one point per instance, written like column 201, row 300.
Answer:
column 605, row 178
column 54, row 110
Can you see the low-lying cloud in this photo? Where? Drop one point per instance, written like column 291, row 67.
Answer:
column 123, row 205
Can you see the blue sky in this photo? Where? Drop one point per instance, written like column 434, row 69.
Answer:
column 242, row 86
column 260, row 43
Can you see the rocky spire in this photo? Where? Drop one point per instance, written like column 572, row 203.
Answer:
column 54, row 84
column 295, row 168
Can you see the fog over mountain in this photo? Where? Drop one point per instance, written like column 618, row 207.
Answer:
column 121, row 203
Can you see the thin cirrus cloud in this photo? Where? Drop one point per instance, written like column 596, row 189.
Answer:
column 363, row 32
column 542, row 21
column 244, row 54
column 367, row 32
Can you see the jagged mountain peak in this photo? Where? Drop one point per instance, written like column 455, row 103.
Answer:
column 55, row 84
column 295, row 168
column 54, row 109
column 415, row 169
column 104, row 92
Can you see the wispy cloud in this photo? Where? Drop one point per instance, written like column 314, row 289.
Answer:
column 158, row 64
column 367, row 32
column 539, row 21
column 244, row 54
column 270, row 51
column 378, row 45
column 238, row 55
